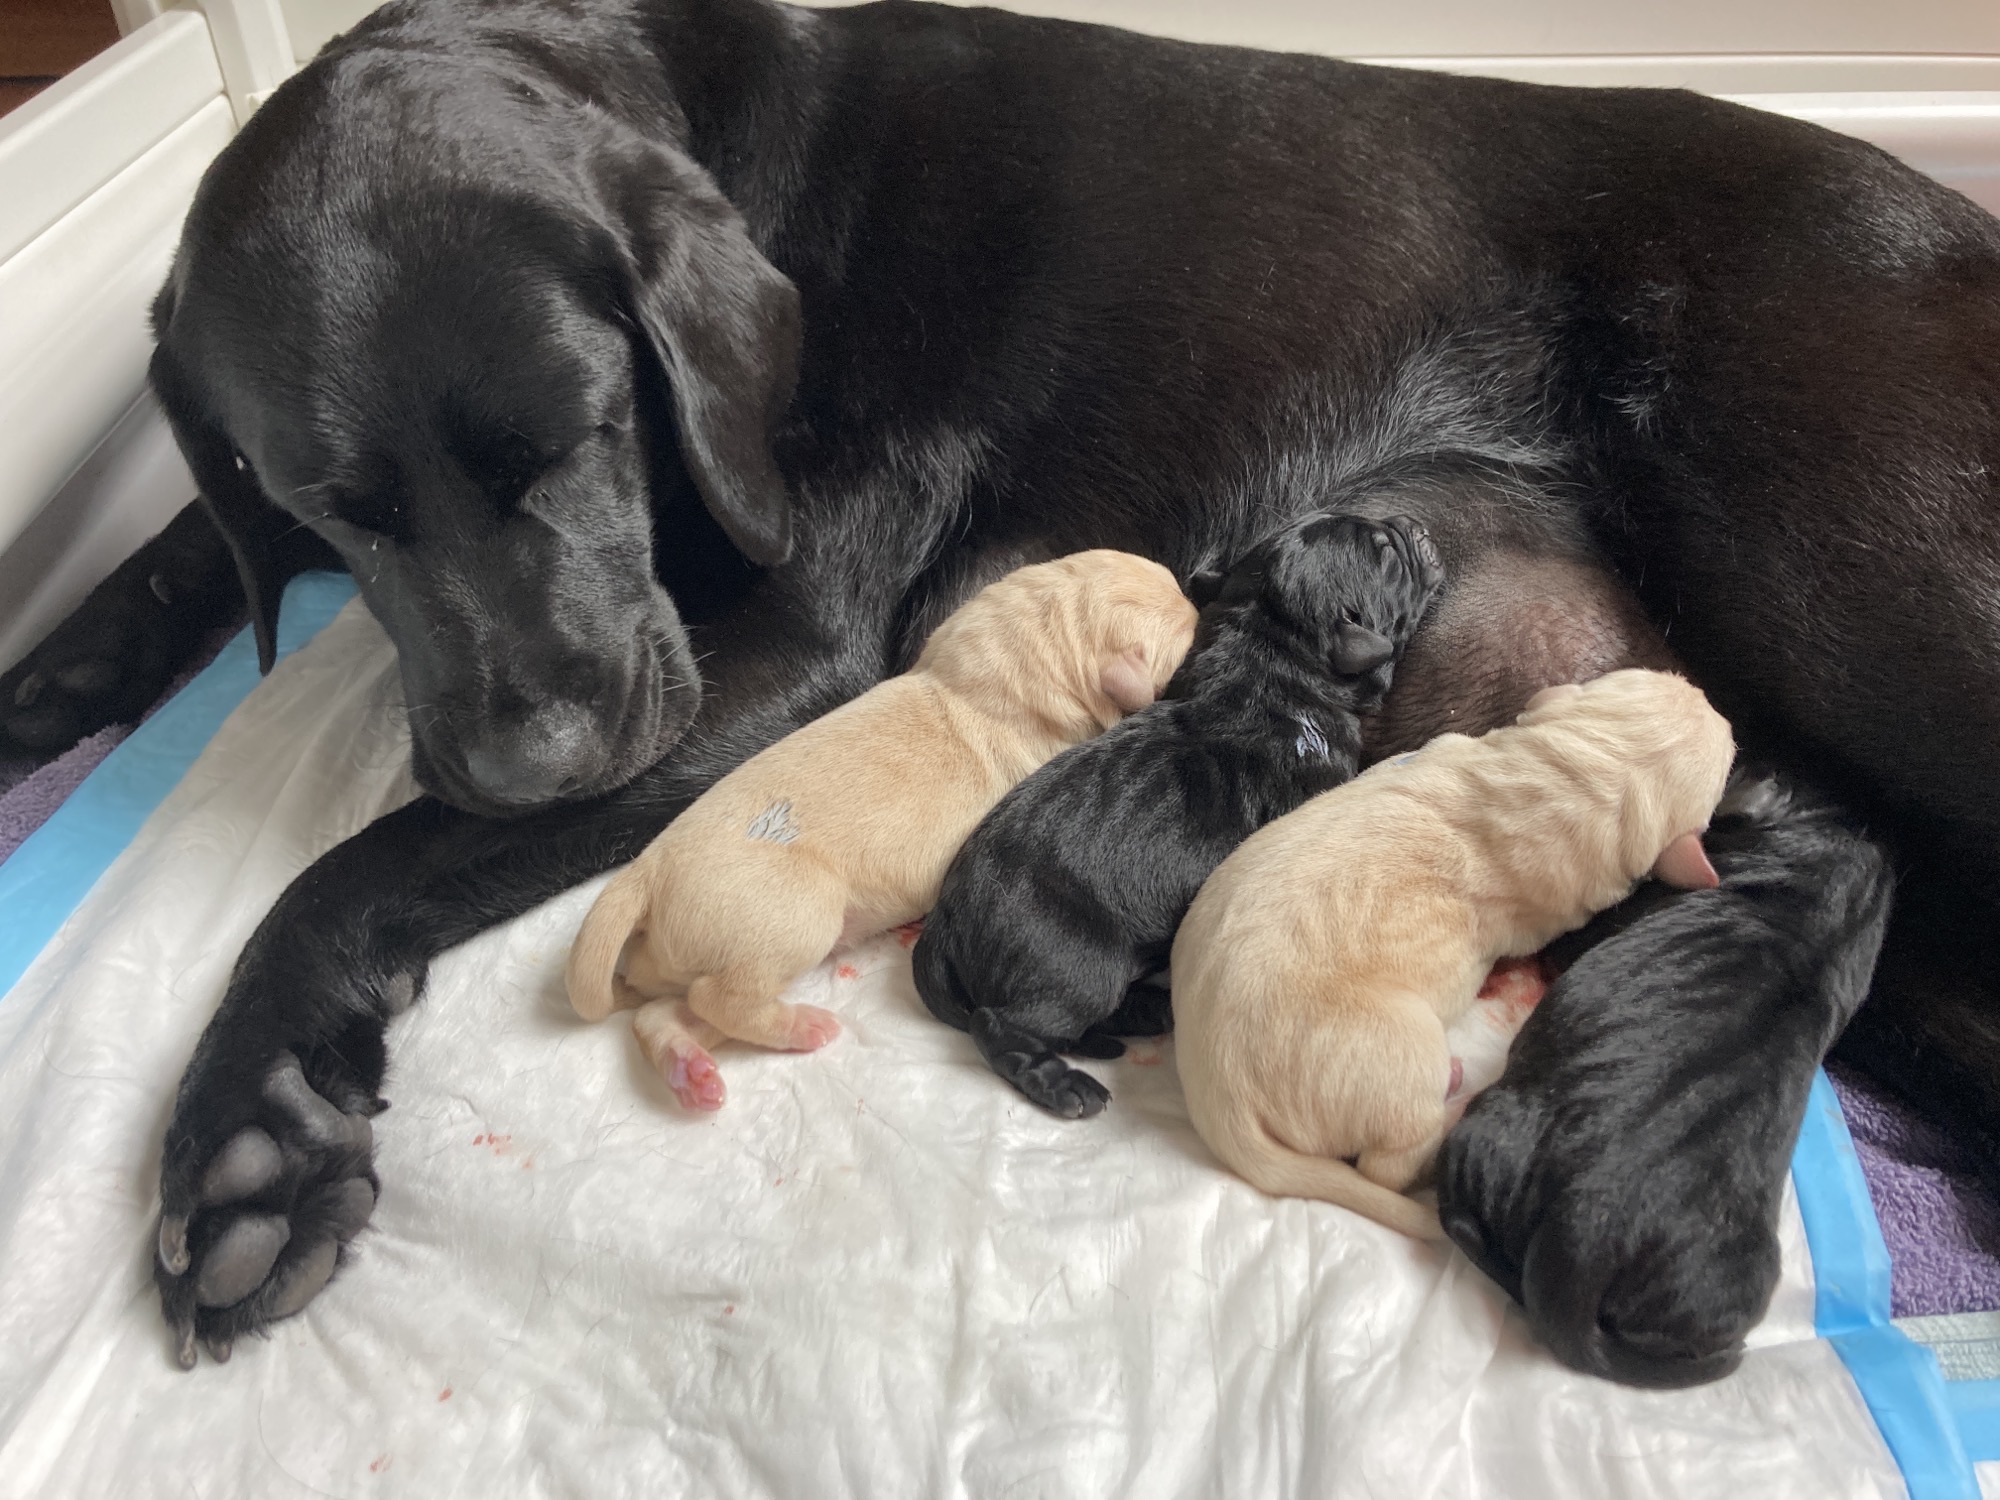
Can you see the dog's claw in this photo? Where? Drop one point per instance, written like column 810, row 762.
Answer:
column 174, row 1243
column 219, row 1350
column 185, row 1353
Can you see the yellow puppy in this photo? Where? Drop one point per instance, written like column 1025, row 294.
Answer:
column 845, row 828
column 1316, row 972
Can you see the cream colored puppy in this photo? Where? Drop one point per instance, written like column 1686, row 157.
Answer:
column 845, row 827
column 1317, row 971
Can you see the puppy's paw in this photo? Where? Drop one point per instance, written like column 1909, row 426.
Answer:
column 695, row 1079
column 261, row 1190
column 810, row 1028
column 1071, row 1093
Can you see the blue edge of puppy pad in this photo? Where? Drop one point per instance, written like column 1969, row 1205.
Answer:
column 1936, row 1430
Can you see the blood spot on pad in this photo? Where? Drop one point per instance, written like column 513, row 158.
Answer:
column 445, row 1394
column 379, row 1465
column 909, row 932
column 728, row 1308
column 848, row 971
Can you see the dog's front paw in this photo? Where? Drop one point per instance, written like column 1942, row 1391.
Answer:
column 261, row 1189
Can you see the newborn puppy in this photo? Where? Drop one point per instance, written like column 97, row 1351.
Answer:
column 1071, row 889
column 1318, row 969
column 844, row 828
column 1583, row 1217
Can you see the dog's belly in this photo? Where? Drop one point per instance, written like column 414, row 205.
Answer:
column 1508, row 625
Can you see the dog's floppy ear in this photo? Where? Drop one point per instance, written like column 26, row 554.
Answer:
column 725, row 325
column 1127, row 679
column 230, row 493
column 1684, row 863
column 1357, row 649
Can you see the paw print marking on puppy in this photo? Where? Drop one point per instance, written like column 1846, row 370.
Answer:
column 775, row 824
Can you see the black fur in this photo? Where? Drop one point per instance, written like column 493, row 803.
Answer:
column 1070, row 891
column 1622, row 1180
column 497, row 299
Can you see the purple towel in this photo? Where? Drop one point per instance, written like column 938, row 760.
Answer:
column 29, row 793
column 1935, row 1214
column 33, row 792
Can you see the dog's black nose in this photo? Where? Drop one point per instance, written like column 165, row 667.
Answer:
column 534, row 762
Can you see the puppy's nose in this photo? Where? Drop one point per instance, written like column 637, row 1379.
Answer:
column 534, row 762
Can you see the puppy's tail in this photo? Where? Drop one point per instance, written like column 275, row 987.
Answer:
column 619, row 911
column 1267, row 1163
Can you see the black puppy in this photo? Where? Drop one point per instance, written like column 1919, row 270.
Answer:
column 1641, row 1089
column 1070, row 891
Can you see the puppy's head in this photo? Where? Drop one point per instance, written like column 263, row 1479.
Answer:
column 1670, row 747
column 508, row 359
column 1341, row 593
column 1076, row 643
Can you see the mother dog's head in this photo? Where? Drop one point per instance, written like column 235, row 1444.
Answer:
column 418, row 306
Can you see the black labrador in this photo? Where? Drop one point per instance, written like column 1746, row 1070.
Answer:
column 662, row 369
column 1069, row 892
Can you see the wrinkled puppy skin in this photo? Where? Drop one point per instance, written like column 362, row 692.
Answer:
column 1067, row 896
column 1622, row 1181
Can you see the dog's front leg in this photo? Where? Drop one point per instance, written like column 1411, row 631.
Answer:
column 268, row 1168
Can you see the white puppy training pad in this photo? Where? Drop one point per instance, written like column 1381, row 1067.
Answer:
column 876, row 1273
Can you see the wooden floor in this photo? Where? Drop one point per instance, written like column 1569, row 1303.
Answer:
column 40, row 40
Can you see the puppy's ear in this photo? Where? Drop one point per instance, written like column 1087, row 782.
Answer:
column 230, row 494
column 1205, row 587
column 1357, row 649
column 725, row 325
column 1684, row 863
column 1127, row 679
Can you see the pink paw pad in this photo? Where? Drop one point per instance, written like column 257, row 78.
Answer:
column 695, row 1080
column 812, row 1028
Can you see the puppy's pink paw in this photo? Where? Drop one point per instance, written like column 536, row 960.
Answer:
column 812, row 1028
column 695, row 1079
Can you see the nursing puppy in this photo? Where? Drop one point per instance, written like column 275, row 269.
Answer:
column 1776, row 958
column 844, row 827
column 1318, row 969
column 1071, row 889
